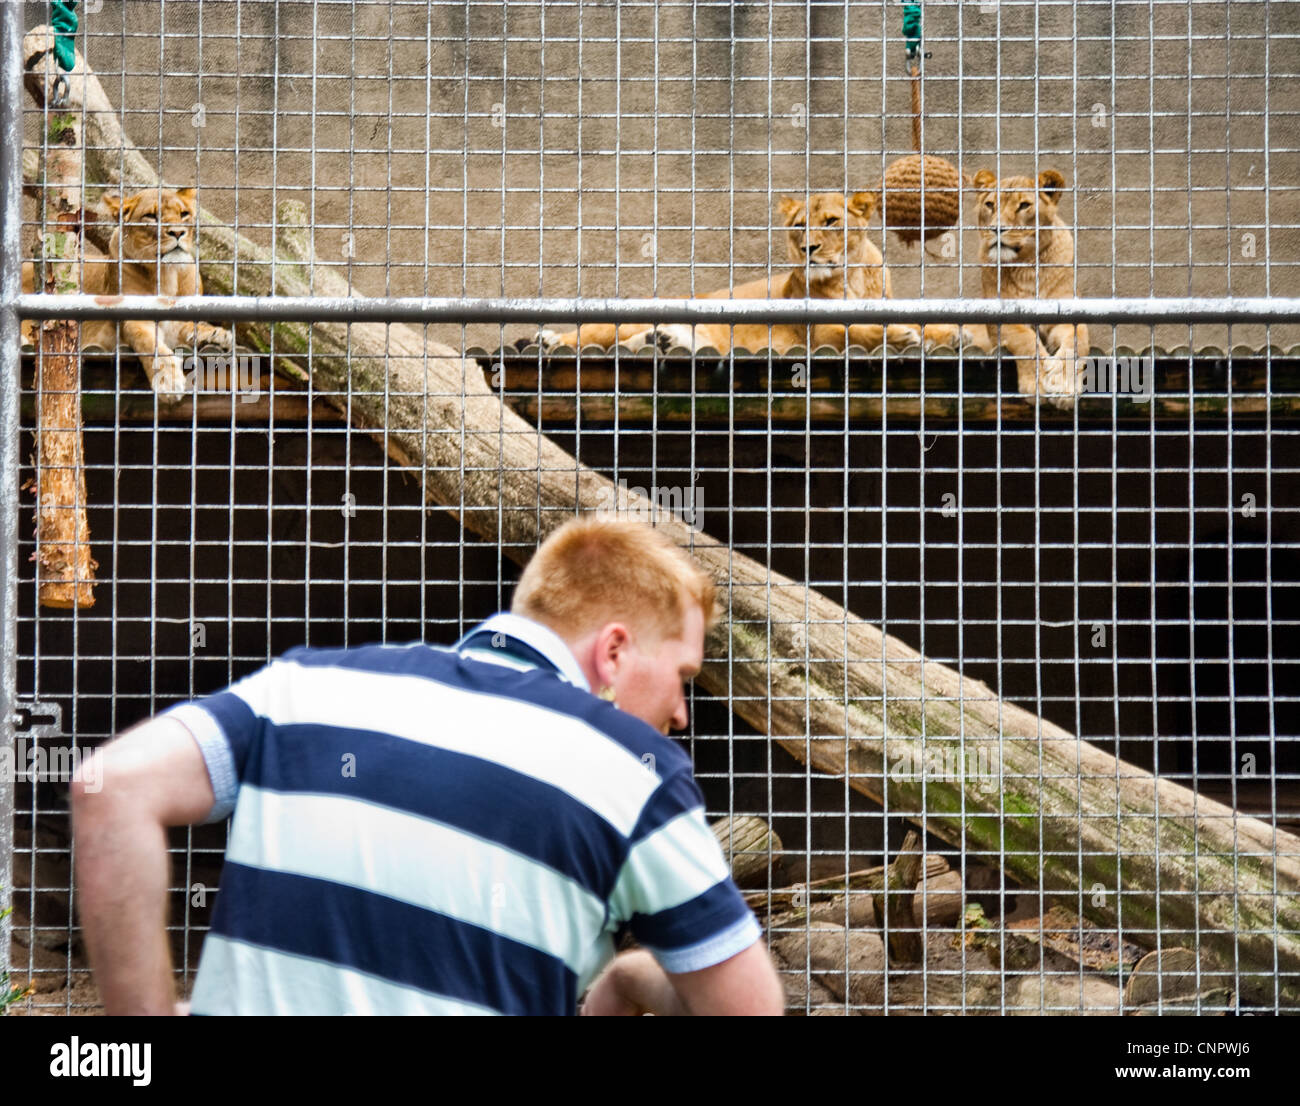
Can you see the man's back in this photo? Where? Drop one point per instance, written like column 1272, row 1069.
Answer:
column 419, row 830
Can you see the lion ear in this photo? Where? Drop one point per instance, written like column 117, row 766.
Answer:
column 1050, row 183
column 789, row 208
column 984, row 180
column 186, row 194
column 111, row 202
column 864, row 203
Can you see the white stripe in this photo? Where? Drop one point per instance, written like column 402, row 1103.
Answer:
column 417, row 861
column 237, row 978
column 679, row 861
column 493, row 656
column 541, row 743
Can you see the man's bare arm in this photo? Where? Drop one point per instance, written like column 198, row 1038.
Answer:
column 151, row 777
column 634, row 983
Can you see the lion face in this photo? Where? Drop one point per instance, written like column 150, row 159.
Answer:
column 827, row 231
column 1012, row 210
column 156, row 225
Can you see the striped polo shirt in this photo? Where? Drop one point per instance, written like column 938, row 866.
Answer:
column 419, row 830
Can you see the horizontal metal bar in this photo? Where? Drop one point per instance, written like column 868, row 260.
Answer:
column 766, row 311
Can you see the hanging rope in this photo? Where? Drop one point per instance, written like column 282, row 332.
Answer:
column 912, row 33
column 63, row 18
column 920, row 193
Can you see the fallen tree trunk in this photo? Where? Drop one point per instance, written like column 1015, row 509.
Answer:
column 1053, row 812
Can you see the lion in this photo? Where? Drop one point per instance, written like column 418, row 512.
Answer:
column 1026, row 252
column 155, row 245
column 831, row 258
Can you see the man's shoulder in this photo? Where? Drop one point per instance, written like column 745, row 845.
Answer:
column 410, row 657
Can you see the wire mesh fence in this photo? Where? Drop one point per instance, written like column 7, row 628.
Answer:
column 1079, row 689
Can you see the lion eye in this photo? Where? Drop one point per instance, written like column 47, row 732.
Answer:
column 831, row 220
column 150, row 216
column 1024, row 205
column 988, row 205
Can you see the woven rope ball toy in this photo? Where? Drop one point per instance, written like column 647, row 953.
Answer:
column 920, row 190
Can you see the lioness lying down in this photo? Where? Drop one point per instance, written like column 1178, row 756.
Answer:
column 156, row 247
column 1026, row 252
column 832, row 258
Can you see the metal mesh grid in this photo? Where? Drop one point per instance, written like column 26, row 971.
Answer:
column 1122, row 571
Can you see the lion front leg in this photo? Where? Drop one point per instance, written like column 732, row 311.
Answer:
column 161, row 365
column 1059, row 377
column 1039, row 373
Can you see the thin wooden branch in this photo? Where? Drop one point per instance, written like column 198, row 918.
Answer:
column 65, row 569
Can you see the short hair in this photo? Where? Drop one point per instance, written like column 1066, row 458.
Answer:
column 600, row 568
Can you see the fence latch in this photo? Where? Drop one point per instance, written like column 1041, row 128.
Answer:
column 39, row 719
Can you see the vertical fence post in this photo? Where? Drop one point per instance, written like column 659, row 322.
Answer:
column 11, row 188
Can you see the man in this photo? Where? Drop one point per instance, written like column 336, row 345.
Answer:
column 422, row 830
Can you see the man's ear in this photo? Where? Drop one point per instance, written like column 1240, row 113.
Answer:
column 864, row 203
column 1050, row 184
column 984, row 180
column 788, row 207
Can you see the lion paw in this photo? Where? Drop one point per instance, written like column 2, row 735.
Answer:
column 1058, row 382
column 216, row 336
column 673, row 336
column 169, row 381
column 549, row 339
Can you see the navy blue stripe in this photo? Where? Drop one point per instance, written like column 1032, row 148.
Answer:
column 681, row 927
column 390, row 939
column 522, row 813
column 238, row 722
column 537, row 687
column 673, row 798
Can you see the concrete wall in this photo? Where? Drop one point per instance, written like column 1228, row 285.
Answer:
column 630, row 148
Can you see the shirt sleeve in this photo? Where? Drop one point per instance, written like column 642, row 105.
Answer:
column 675, row 889
column 226, row 726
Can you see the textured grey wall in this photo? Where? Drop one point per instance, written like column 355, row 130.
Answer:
column 627, row 148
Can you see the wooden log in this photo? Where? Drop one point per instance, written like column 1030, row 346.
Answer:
column 865, row 879
column 1059, row 816
column 939, row 903
column 750, row 846
column 65, row 569
column 1172, row 978
column 893, row 902
column 847, row 963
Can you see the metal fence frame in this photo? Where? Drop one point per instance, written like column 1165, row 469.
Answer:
column 15, row 306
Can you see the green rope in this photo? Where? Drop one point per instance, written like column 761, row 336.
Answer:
column 912, row 28
column 64, row 20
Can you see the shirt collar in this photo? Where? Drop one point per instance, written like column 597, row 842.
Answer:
column 542, row 638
